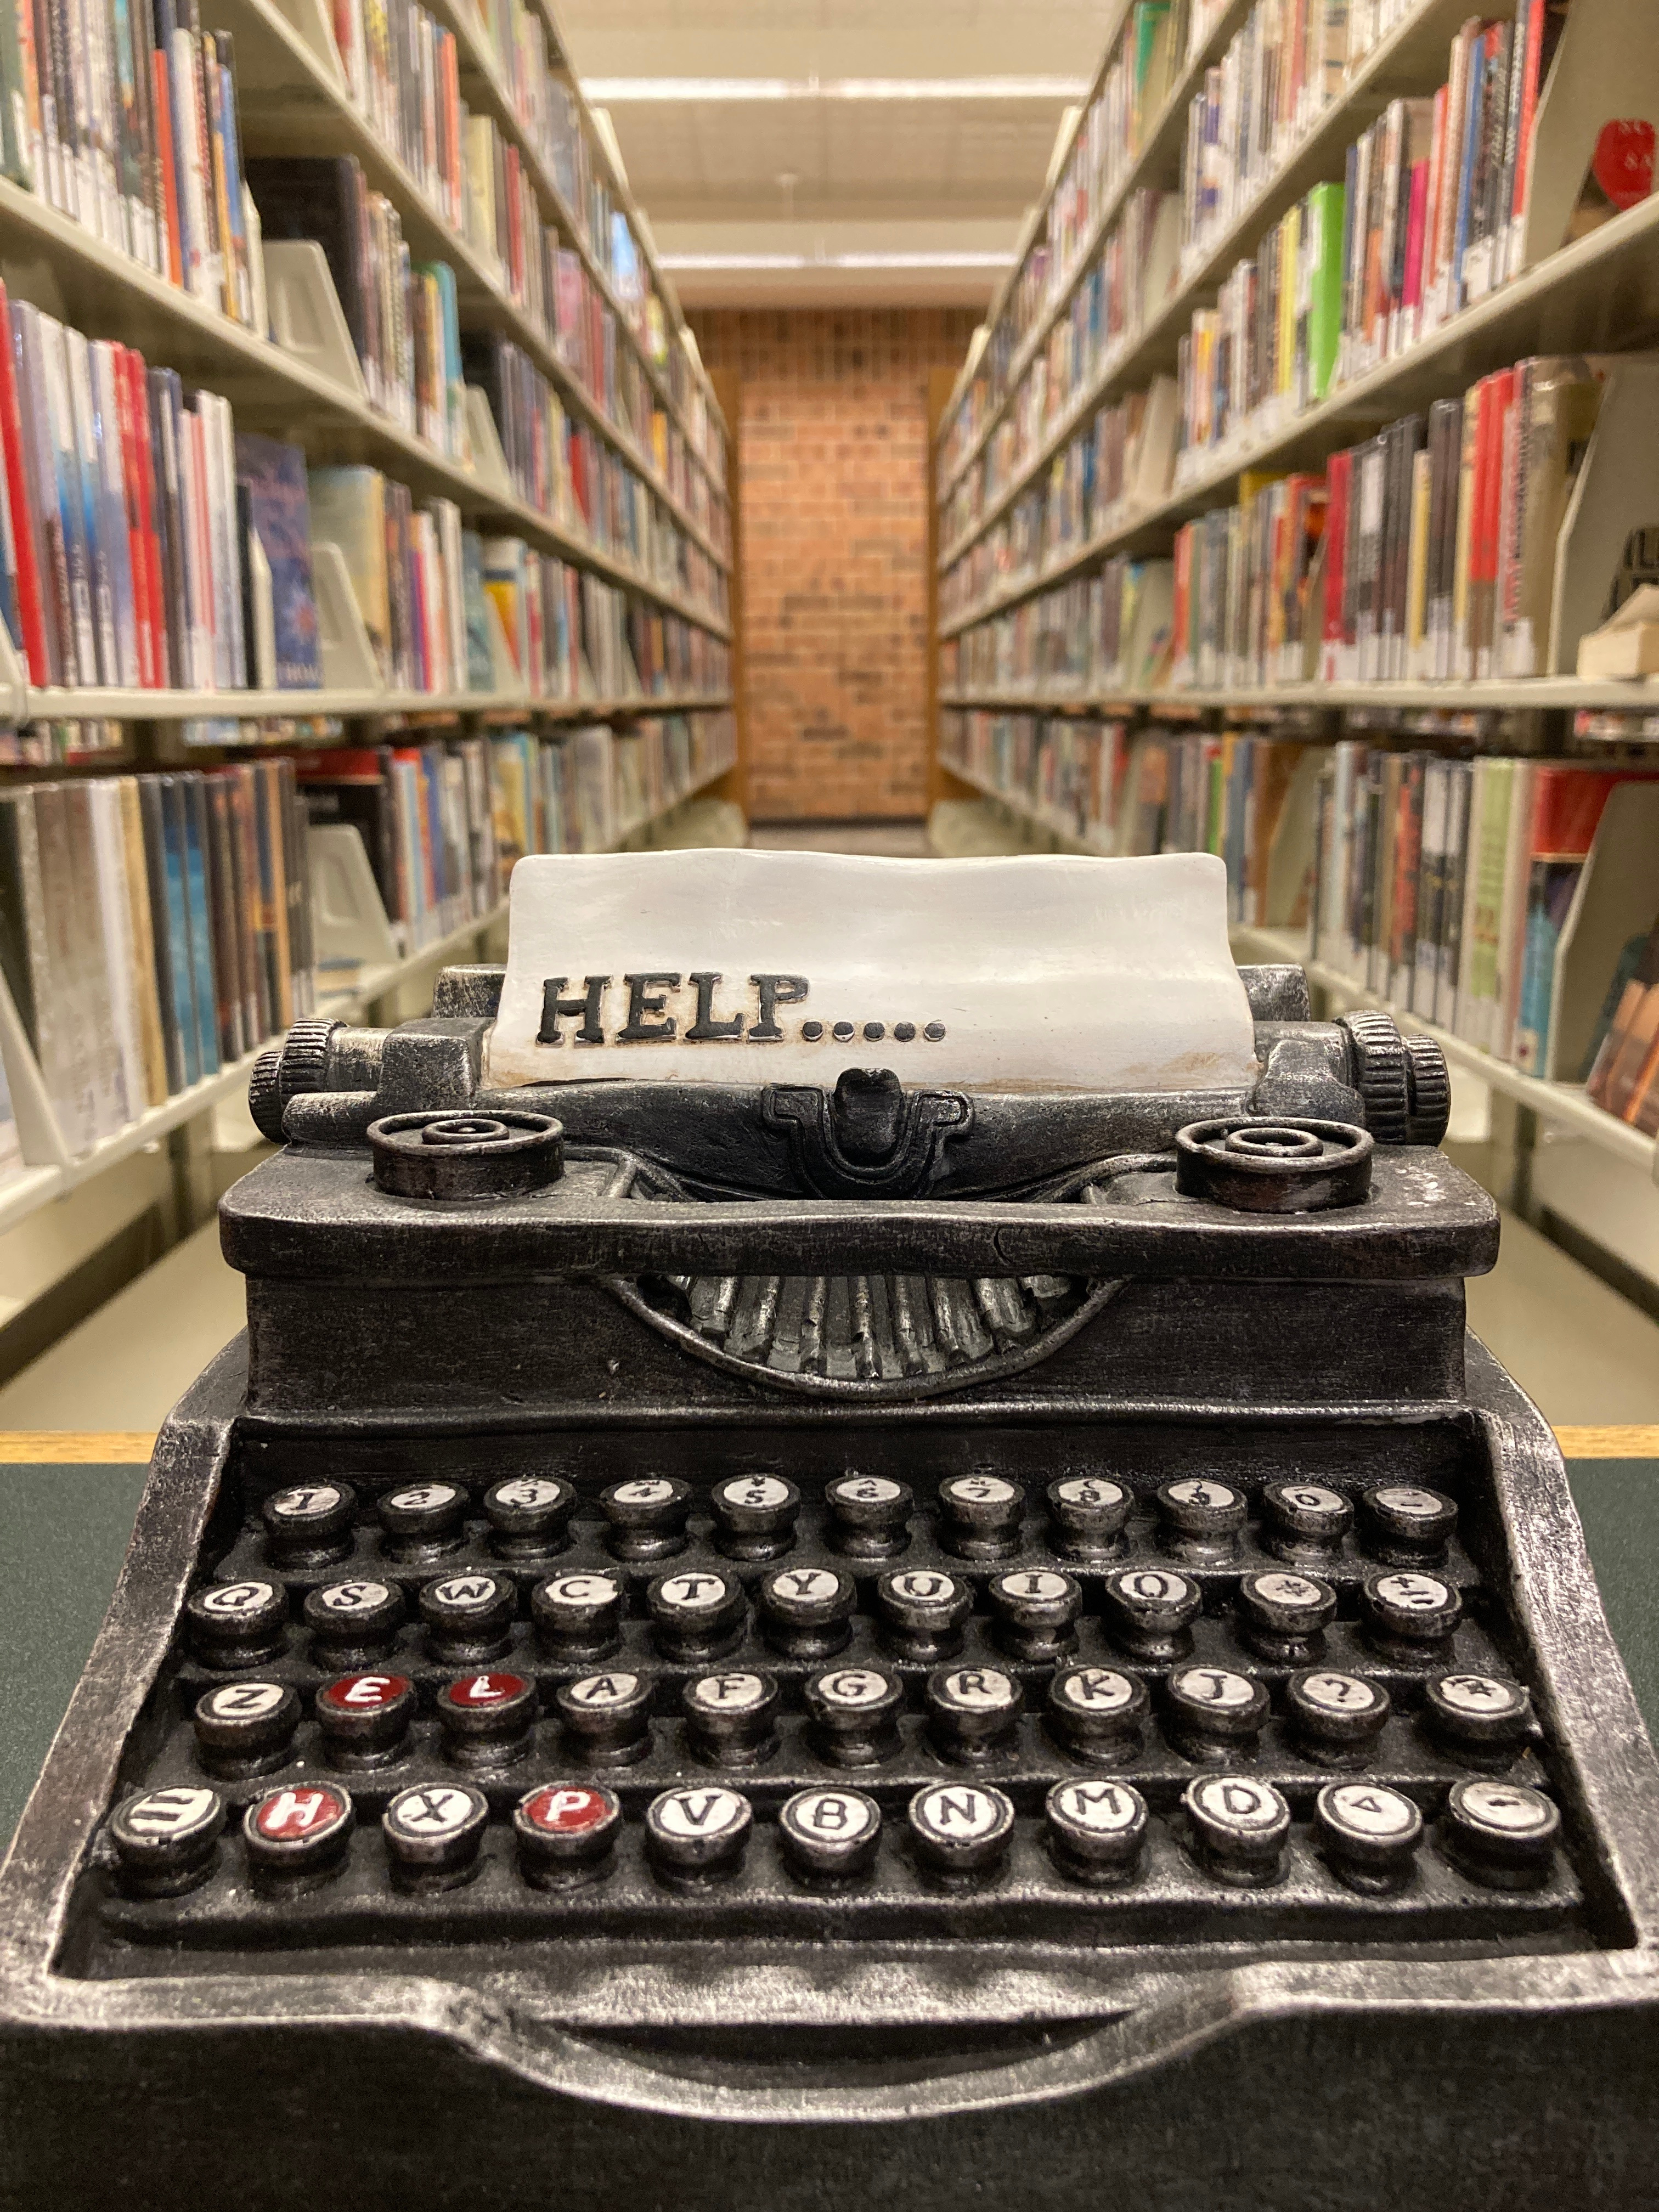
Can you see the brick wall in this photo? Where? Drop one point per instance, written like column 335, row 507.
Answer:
column 833, row 485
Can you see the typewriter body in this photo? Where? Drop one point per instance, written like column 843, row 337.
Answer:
column 743, row 1644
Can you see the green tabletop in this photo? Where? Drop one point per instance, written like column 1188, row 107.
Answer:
column 64, row 1528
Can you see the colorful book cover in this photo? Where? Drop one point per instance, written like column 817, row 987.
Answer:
column 273, row 475
column 198, row 894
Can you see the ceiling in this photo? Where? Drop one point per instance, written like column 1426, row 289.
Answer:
column 835, row 151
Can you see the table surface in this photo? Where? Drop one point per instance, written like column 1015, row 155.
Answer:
column 67, row 1505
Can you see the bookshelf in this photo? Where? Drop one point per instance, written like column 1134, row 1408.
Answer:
column 646, row 404
column 1073, row 333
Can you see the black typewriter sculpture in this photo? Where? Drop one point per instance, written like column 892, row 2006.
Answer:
column 773, row 1647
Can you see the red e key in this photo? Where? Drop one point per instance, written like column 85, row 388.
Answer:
column 365, row 1717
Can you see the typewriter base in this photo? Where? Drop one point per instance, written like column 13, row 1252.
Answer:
column 1312, row 2079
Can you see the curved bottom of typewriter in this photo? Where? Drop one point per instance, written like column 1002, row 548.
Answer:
column 1016, row 2032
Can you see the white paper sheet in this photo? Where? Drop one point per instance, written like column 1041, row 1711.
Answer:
column 1042, row 973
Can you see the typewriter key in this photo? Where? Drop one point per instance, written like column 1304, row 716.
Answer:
column 1097, row 1713
column 1095, row 1829
column 1237, row 1828
column 854, row 1712
column 1087, row 1514
column 1284, row 1615
column 165, row 1840
column 565, row 1832
column 754, row 1516
column 1200, row 1519
column 979, row 1515
column 698, row 1613
column 309, row 1525
column 1369, row 1834
column 869, row 1516
column 696, row 1835
column 1409, row 1615
column 1406, row 1525
column 353, row 1621
column 648, row 1516
column 1150, row 1610
column 922, row 1612
column 245, row 1727
column 607, row 1717
column 1304, row 1521
column 365, row 1719
column 960, row 1830
column 972, row 1710
column 829, row 1835
column 527, row 1516
column 1035, row 1612
column 728, row 1717
column 468, row 1617
column 806, row 1612
column 1212, row 1715
column 236, row 1624
column 577, row 1616
column 1479, row 1717
column 487, row 1719
column 1501, row 1833
column 422, row 1521
column 1335, row 1718
column 433, row 1832
column 297, row 1835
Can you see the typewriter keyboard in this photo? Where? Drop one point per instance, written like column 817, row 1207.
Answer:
column 1102, row 1711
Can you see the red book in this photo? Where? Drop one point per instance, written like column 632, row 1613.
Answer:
column 1416, row 231
column 1339, row 471
column 136, row 512
column 1497, row 391
column 31, row 608
column 154, row 526
column 162, row 111
column 1436, row 186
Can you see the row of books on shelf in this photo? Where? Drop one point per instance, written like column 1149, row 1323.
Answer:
column 1437, row 549
column 156, row 928
column 149, row 544
column 443, row 822
column 1431, row 215
column 1510, row 901
column 152, row 929
column 1284, row 67
column 126, row 119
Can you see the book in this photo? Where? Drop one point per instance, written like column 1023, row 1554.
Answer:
column 272, row 478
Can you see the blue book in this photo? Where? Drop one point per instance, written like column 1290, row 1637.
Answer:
column 273, row 478
column 480, row 668
column 199, row 899
column 180, row 953
column 1470, row 155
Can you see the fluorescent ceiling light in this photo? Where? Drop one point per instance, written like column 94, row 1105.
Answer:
column 614, row 91
column 682, row 263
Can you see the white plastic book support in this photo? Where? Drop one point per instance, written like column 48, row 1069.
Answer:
column 489, row 461
column 349, row 917
column 1613, row 901
column 586, row 687
column 505, row 674
column 343, row 640
column 1606, row 66
column 37, row 1134
column 1155, row 462
column 1616, row 495
column 312, row 19
column 13, row 683
column 1149, row 631
column 1163, row 255
column 262, row 638
column 307, row 318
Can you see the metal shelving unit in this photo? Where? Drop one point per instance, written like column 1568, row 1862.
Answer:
column 1562, row 694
